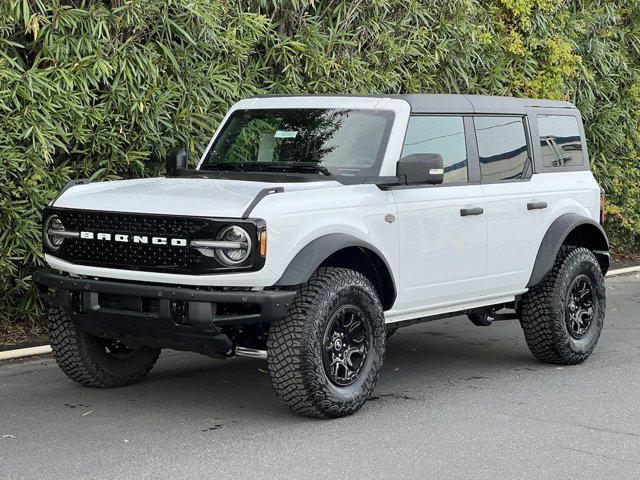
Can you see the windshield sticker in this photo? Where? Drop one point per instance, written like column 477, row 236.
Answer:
column 285, row 134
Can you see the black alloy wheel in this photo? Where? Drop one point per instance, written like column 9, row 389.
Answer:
column 347, row 341
column 579, row 308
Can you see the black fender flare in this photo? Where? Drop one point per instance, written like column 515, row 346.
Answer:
column 555, row 237
column 312, row 255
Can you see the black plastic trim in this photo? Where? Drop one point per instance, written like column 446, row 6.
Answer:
column 557, row 233
column 536, row 205
column 466, row 212
column 155, row 322
column 274, row 303
column 253, row 225
column 312, row 255
column 259, row 196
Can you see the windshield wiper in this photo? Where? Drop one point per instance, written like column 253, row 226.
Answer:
column 223, row 166
column 268, row 166
column 293, row 167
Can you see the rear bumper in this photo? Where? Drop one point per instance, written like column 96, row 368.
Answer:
column 158, row 315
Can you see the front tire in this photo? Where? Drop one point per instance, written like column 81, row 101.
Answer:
column 562, row 317
column 94, row 361
column 325, row 357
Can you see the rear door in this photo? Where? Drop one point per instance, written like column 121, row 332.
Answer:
column 442, row 229
column 516, row 204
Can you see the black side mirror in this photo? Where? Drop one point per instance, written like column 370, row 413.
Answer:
column 177, row 159
column 420, row 168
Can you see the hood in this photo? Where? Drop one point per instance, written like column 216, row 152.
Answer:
column 201, row 197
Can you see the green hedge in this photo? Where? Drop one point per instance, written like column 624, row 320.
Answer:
column 101, row 89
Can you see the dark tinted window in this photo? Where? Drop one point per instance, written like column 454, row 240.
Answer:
column 560, row 141
column 502, row 146
column 443, row 135
column 346, row 142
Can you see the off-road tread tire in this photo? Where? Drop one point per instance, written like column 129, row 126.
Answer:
column 295, row 365
column 543, row 310
column 79, row 355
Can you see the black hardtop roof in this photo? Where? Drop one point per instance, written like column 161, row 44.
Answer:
column 452, row 103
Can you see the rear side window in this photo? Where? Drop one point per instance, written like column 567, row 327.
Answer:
column 502, row 147
column 560, row 141
column 443, row 135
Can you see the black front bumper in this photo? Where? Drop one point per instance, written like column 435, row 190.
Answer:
column 161, row 316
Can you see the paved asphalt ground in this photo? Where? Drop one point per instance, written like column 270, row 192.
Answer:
column 454, row 401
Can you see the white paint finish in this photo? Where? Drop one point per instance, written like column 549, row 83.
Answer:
column 175, row 196
column 401, row 109
column 294, row 219
column 515, row 233
column 573, row 191
column 443, row 255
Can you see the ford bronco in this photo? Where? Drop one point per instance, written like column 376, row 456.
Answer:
column 315, row 226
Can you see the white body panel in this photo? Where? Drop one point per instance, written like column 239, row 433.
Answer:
column 444, row 255
column 439, row 260
column 294, row 218
column 174, row 196
column 514, row 232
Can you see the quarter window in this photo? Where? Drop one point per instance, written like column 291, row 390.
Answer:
column 502, row 147
column 443, row 135
column 560, row 141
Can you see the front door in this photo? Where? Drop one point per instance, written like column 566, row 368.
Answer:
column 442, row 228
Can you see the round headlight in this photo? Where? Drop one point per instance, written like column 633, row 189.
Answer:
column 51, row 226
column 239, row 247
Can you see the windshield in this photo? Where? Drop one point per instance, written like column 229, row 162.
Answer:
column 322, row 141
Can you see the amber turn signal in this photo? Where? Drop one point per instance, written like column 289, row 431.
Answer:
column 263, row 242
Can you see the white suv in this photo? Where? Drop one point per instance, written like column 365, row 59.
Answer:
column 314, row 226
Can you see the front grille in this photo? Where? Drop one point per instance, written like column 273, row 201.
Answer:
column 140, row 256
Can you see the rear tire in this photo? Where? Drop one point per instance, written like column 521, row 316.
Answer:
column 325, row 357
column 94, row 361
column 562, row 317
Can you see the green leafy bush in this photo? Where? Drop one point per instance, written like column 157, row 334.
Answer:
column 101, row 89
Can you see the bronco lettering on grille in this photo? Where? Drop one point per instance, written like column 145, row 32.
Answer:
column 142, row 239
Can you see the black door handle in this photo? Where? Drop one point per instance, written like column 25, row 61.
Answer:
column 536, row 205
column 465, row 212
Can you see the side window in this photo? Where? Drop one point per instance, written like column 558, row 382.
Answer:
column 502, row 147
column 443, row 135
column 560, row 141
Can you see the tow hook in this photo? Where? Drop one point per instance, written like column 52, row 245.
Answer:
column 481, row 317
